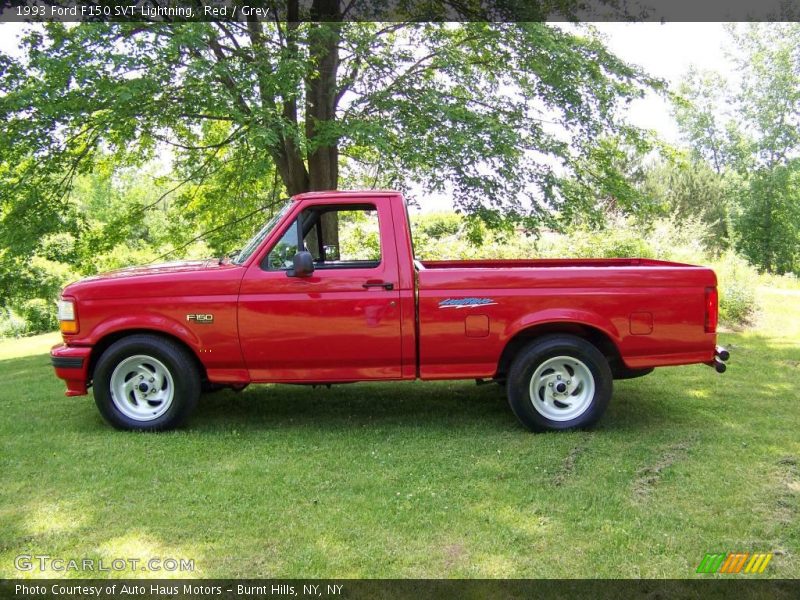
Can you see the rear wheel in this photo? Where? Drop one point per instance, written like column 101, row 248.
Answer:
column 559, row 382
column 147, row 383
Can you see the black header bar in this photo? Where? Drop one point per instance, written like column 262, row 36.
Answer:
column 398, row 589
column 399, row 10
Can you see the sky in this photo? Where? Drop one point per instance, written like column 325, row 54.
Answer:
column 667, row 51
column 664, row 50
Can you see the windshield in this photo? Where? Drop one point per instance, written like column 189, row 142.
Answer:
column 256, row 240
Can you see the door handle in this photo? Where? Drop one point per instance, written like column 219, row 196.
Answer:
column 384, row 284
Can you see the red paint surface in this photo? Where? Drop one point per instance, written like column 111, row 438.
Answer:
column 326, row 328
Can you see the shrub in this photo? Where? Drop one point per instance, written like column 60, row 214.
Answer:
column 360, row 240
column 39, row 278
column 737, row 304
column 11, row 324
column 736, row 281
column 436, row 225
column 620, row 241
column 39, row 315
column 679, row 240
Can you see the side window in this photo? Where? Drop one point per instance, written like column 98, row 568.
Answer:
column 358, row 237
column 340, row 237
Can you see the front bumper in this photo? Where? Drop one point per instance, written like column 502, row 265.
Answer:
column 72, row 365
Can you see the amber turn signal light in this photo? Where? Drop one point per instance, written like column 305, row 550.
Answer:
column 68, row 326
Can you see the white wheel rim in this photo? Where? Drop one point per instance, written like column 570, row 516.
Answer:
column 142, row 388
column 562, row 388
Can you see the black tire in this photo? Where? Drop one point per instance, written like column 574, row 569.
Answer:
column 183, row 377
column 568, row 354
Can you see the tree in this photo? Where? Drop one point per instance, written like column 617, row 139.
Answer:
column 501, row 114
column 770, row 219
column 769, row 110
column 697, row 111
column 759, row 141
column 689, row 190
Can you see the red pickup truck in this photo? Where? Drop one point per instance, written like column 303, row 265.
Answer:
column 291, row 308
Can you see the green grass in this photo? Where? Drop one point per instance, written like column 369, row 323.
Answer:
column 417, row 479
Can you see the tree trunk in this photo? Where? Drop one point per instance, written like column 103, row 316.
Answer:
column 288, row 156
column 322, row 170
column 323, row 153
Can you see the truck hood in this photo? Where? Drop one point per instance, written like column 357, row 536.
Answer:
column 180, row 278
column 178, row 266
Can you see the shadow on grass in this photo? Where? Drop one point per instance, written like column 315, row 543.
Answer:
column 432, row 405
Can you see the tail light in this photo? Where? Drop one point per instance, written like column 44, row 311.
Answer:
column 712, row 309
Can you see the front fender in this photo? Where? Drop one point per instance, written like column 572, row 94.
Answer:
column 145, row 322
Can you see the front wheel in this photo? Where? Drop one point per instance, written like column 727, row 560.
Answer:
column 146, row 383
column 559, row 382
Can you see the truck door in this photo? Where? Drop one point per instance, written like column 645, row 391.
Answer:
column 341, row 323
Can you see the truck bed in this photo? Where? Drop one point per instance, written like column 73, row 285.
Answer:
column 546, row 263
column 650, row 310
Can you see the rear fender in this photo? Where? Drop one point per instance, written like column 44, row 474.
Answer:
column 565, row 316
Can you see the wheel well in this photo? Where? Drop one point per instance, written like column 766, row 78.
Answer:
column 594, row 336
column 104, row 342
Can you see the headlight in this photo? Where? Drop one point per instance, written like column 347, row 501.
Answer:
column 67, row 321
column 66, row 310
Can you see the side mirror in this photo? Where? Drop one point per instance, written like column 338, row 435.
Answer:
column 303, row 265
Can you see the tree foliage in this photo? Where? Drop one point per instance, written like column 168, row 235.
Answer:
column 519, row 123
column 686, row 189
column 505, row 117
column 696, row 111
column 755, row 148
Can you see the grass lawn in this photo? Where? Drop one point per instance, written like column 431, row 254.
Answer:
column 417, row 479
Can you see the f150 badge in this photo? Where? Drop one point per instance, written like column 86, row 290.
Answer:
column 466, row 302
column 207, row 319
